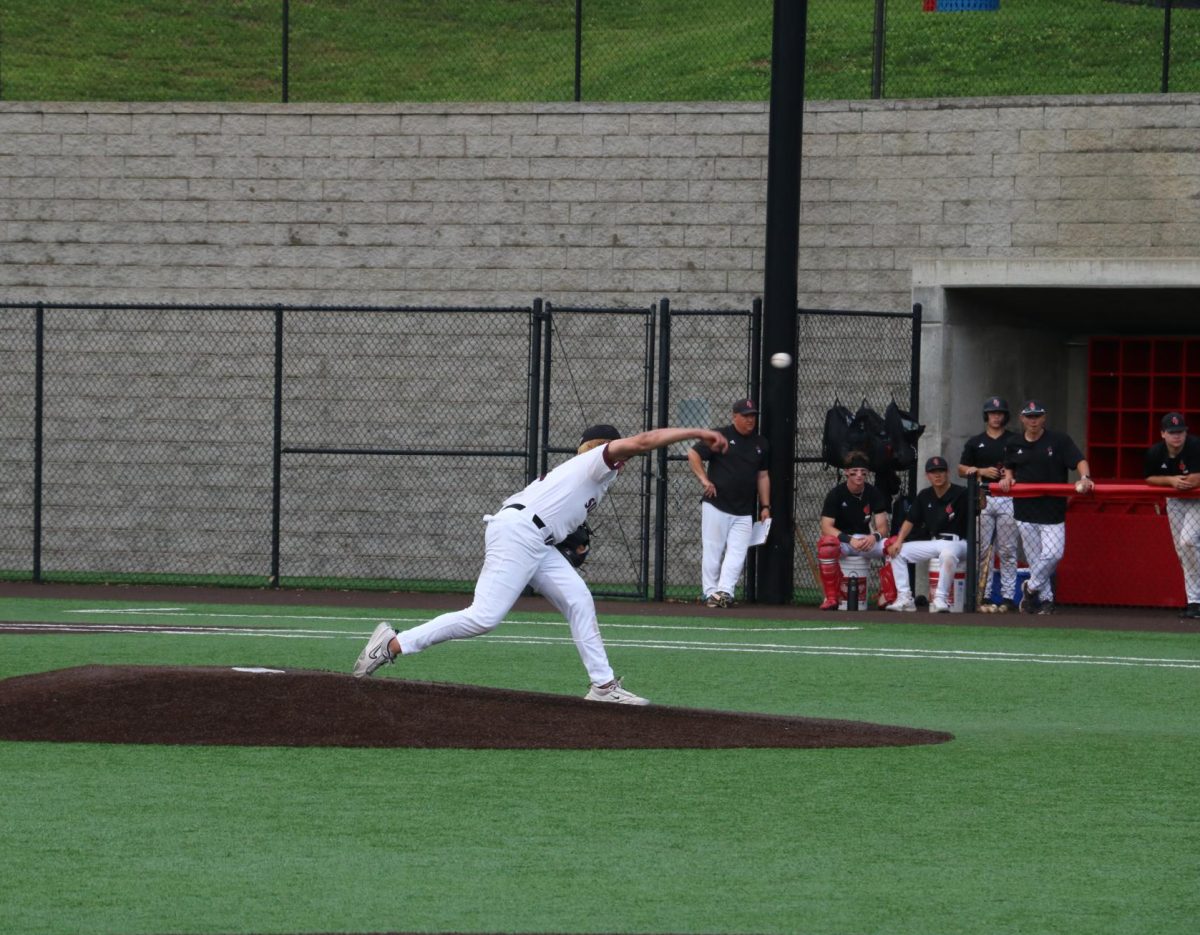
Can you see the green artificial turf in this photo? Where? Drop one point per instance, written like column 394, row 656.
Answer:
column 1066, row 803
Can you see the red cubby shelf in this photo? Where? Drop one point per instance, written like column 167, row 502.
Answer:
column 1132, row 382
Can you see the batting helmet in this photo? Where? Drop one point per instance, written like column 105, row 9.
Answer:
column 996, row 404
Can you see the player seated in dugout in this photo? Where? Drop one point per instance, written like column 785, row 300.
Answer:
column 940, row 511
column 854, row 522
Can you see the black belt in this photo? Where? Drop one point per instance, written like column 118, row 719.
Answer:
column 948, row 537
column 537, row 520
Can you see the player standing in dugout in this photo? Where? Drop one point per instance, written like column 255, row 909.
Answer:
column 1175, row 462
column 1038, row 455
column 983, row 457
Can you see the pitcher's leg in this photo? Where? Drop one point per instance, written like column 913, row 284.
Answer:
column 513, row 555
column 562, row 586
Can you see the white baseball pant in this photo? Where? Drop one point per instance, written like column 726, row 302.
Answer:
column 1043, row 545
column 516, row 555
column 949, row 552
column 722, row 532
column 1184, row 517
column 997, row 519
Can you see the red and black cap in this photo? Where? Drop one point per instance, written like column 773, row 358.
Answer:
column 745, row 407
column 1033, row 407
column 1174, row 422
column 936, row 463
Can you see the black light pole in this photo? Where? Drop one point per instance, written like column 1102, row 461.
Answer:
column 775, row 575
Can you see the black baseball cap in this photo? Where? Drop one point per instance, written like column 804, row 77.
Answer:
column 745, row 407
column 1174, row 422
column 1033, row 407
column 995, row 404
column 592, row 432
column 936, row 463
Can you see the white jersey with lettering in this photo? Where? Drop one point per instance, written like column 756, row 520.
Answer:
column 563, row 498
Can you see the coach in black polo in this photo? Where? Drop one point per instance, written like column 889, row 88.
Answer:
column 1038, row 455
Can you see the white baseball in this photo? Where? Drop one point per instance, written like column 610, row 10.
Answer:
column 781, row 359
column 1079, row 488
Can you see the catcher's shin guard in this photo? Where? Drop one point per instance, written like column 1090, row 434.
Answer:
column 887, row 579
column 829, row 551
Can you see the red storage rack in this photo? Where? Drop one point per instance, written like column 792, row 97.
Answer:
column 1132, row 382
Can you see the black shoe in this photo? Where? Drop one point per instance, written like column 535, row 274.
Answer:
column 1007, row 607
column 1191, row 612
column 1046, row 608
column 1029, row 599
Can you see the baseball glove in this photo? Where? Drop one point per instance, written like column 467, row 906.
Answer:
column 577, row 545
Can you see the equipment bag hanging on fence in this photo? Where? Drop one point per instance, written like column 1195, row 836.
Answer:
column 843, row 436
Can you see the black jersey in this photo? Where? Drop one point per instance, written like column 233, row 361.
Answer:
column 983, row 451
column 1045, row 461
column 1159, row 462
column 735, row 473
column 852, row 513
column 938, row 515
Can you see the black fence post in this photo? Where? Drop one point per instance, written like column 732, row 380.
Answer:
column 277, row 444
column 578, row 49
column 286, row 37
column 39, row 397
column 755, row 355
column 877, row 51
column 649, row 469
column 1166, row 51
column 664, row 418
column 914, row 386
column 547, row 342
column 535, row 390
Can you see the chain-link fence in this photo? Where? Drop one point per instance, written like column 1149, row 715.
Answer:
column 848, row 357
column 359, row 447
column 600, row 368
column 589, row 50
column 712, row 355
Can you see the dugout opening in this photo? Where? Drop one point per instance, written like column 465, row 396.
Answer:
column 1108, row 345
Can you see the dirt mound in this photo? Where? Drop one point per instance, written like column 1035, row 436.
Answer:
column 270, row 707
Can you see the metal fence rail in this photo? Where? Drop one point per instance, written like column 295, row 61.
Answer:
column 352, row 446
column 588, row 50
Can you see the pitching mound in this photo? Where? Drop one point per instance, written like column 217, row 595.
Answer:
column 270, row 707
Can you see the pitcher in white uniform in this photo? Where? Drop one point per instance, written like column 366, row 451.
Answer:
column 519, row 551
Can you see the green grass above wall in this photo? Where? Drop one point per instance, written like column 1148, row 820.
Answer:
column 524, row 50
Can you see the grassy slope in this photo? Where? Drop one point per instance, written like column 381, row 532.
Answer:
column 418, row 50
column 1064, row 804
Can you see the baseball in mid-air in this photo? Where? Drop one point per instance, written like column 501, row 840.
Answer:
column 781, row 359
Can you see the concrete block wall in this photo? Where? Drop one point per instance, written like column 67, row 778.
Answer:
column 592, row 203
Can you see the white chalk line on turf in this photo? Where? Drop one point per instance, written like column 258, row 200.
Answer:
column 961, row 655
column 693, row 628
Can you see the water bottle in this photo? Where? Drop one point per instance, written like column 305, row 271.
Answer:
column 852, row 594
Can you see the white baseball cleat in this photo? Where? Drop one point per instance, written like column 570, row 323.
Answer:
column 376, row 652
column 903, row 603
column 614, row 694
column 938, row 606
